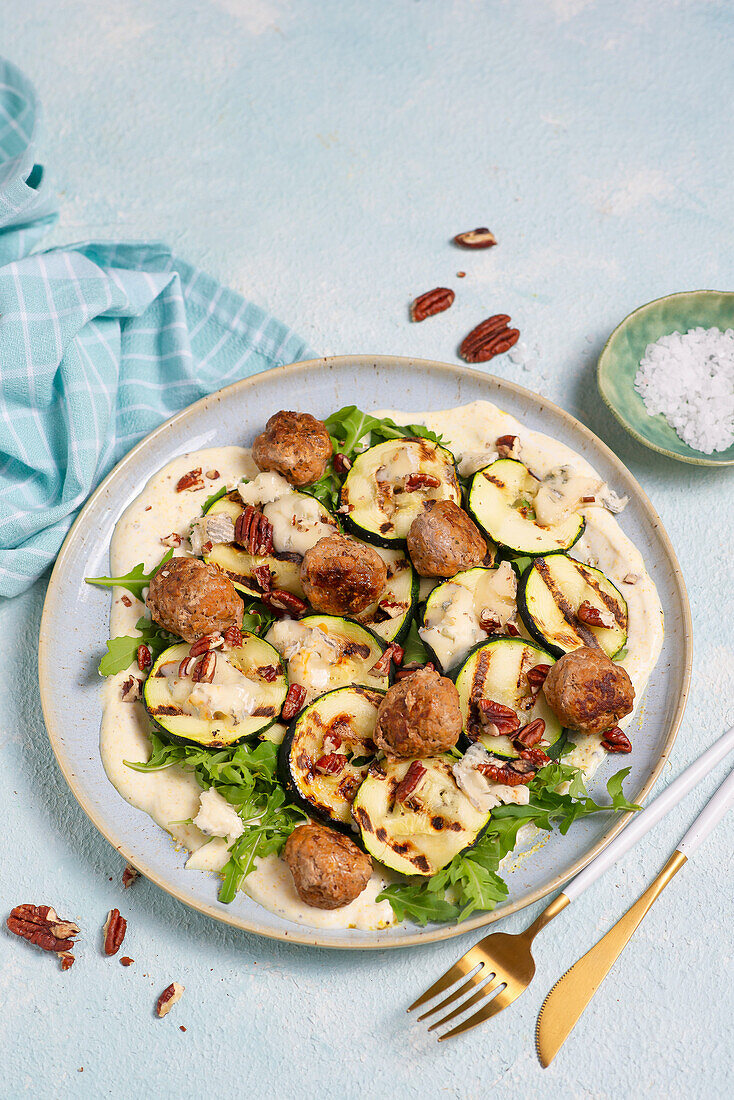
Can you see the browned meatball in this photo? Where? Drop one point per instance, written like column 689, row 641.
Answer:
column 341, row 576
column 296, row 445
column 419, row 716
column 191, row 598
column 328, row 869
column 442, row 540
column 587, row 691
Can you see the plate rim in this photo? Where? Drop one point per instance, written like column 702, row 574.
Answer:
column 696, row 458
column 302, row 934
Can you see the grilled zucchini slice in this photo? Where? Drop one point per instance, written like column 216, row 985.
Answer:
column 501, row 501
column 550, row 594
column 327, row 651
column 379, row 508
column 244, row 699
column 422, row 833
column 390, row 617
column 285, row 566
column 450, row 626
column 345, row 720
column 497, row 670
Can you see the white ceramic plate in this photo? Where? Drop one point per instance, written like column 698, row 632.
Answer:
column 75, row 618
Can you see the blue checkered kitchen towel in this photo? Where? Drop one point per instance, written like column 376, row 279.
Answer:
column 99, row 343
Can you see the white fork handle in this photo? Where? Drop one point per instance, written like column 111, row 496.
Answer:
column 644, row 820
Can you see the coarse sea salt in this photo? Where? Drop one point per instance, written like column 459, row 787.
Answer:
column 689, row 378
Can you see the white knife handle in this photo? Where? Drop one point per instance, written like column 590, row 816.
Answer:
column 644, row 820
column 709, row 816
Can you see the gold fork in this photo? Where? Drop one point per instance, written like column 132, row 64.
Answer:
column 500, row 967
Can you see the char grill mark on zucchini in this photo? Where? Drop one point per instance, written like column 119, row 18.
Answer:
column 550, row 593
column 188, row 713
column 377, row 507
column 424, row 832
column 497, row 670
column 340, row 721
column 501, row 501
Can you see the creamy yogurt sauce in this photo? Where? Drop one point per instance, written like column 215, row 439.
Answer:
column 173, row 796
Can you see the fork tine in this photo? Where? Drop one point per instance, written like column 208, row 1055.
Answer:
column 503, row 1000
column 479, row 996
column 467, row 985
column 459, row 970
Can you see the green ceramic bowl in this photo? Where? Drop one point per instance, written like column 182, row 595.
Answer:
column 620, row 359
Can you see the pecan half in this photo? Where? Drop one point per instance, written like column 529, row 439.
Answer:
column 206, row 643
column 332, row 763
column 432, row 302
column 129, row 876
column 535, row 756
column 476, row 238
column 264, row 577
column 416, row 481
column 284, row 601
column 616, row 741
column 131, row 689
column 145, row 657
column 294, row 700
column 512, row 629
column 530, row 735
column 113, row 932
column 41, row 925
column 489, row 621
column 168, row 998
column 507, row 773
column 191, row 481
column 413, row 666
column 342, row 464
column 491, row 337
column 233, row 637
column 410, row 781
column 594, row 616
column 253, row 531
column 504, row 719
column 184, row 669
column 507, row 446
column 204, row 671
column 536, row 676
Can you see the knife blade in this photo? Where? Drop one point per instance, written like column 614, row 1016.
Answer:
column 562, row 1008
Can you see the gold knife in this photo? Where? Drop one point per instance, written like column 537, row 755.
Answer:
column 571, row 994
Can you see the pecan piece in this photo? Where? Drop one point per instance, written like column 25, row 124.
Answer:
column 269, row 673
column 535, row 756
column 206, row 643
column 491, row 337
column 394, row 652
column 145, row 657
column 126, row 961
column 212, row 474
column 204, row 671
column 233, row 637
column 332, row 763
column 507, row 446
column 410, row 781
column 536, row 677
column 113, row 932
column 131, row 689
column 191, row 481
column 530, row 735
column 168, row 998
column 128, row 602
column 294, row 700
column 41, row 925
column 184, row 669
column 264, row 577
column 432, row 302
column 476, row 238
column 342, row 464
column 488, row 620
column 128, row 876
column 413, row 666
column 67, row 960
column 284, row 601
column 416, row 481
column 503, row 773
column 616, row 741
column 594, row 616
column 171, row 540
column 512, row 629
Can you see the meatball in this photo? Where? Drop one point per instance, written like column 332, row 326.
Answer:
column 341, row 576
column 328, row 869
column 191, row 598
column 442, row 540
column 296, row 445
column 587, row 691
column 419, row 716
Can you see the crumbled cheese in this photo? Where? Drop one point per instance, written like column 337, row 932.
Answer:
column 471, row 461
column 217, row 817
column 483, row 794
column 213, row 529
column 263, row 489
column 298, row 523
column 230, row 701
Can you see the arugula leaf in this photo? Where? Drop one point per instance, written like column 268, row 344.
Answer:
column 350, row 425
column 326, row 489
column 213, row 499
column 472, row 877
column 135, row 581
column 122, row 651
column 415, row 651
column 257, row 617
column 274, row 825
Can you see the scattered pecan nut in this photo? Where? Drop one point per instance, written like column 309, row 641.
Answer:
column 508, row 446
column 508, row 772
column 67, row 960
column 294, row 700
column 332, row 763
column 113, row 932
column 126, row 961
column 204, row 671
column 269, row 673
column 594, row 616
column 535, row 756
column 145, row 657
column 342, row 464
column 413, row 666
column 476, row 238
column 410, row 781
column 504, row 719
column 254, row 531
column 394, row 652
column 536, row 677
column 284, row 601
column 191, row 481
column 489, row 620
column 616, row 741
column 212, row 474
column 491, row 337
column 168, row 998
column 530, row 735
column 128, row 876
column 264, row 577
column 126, row 600
column 416, row 481
column 131, row 689
column 171, row 540
column 206, row 643
column 233, row 637
column 432, row 302
column 41, row 925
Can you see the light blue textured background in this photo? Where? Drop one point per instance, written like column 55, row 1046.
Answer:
column 317, row 155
